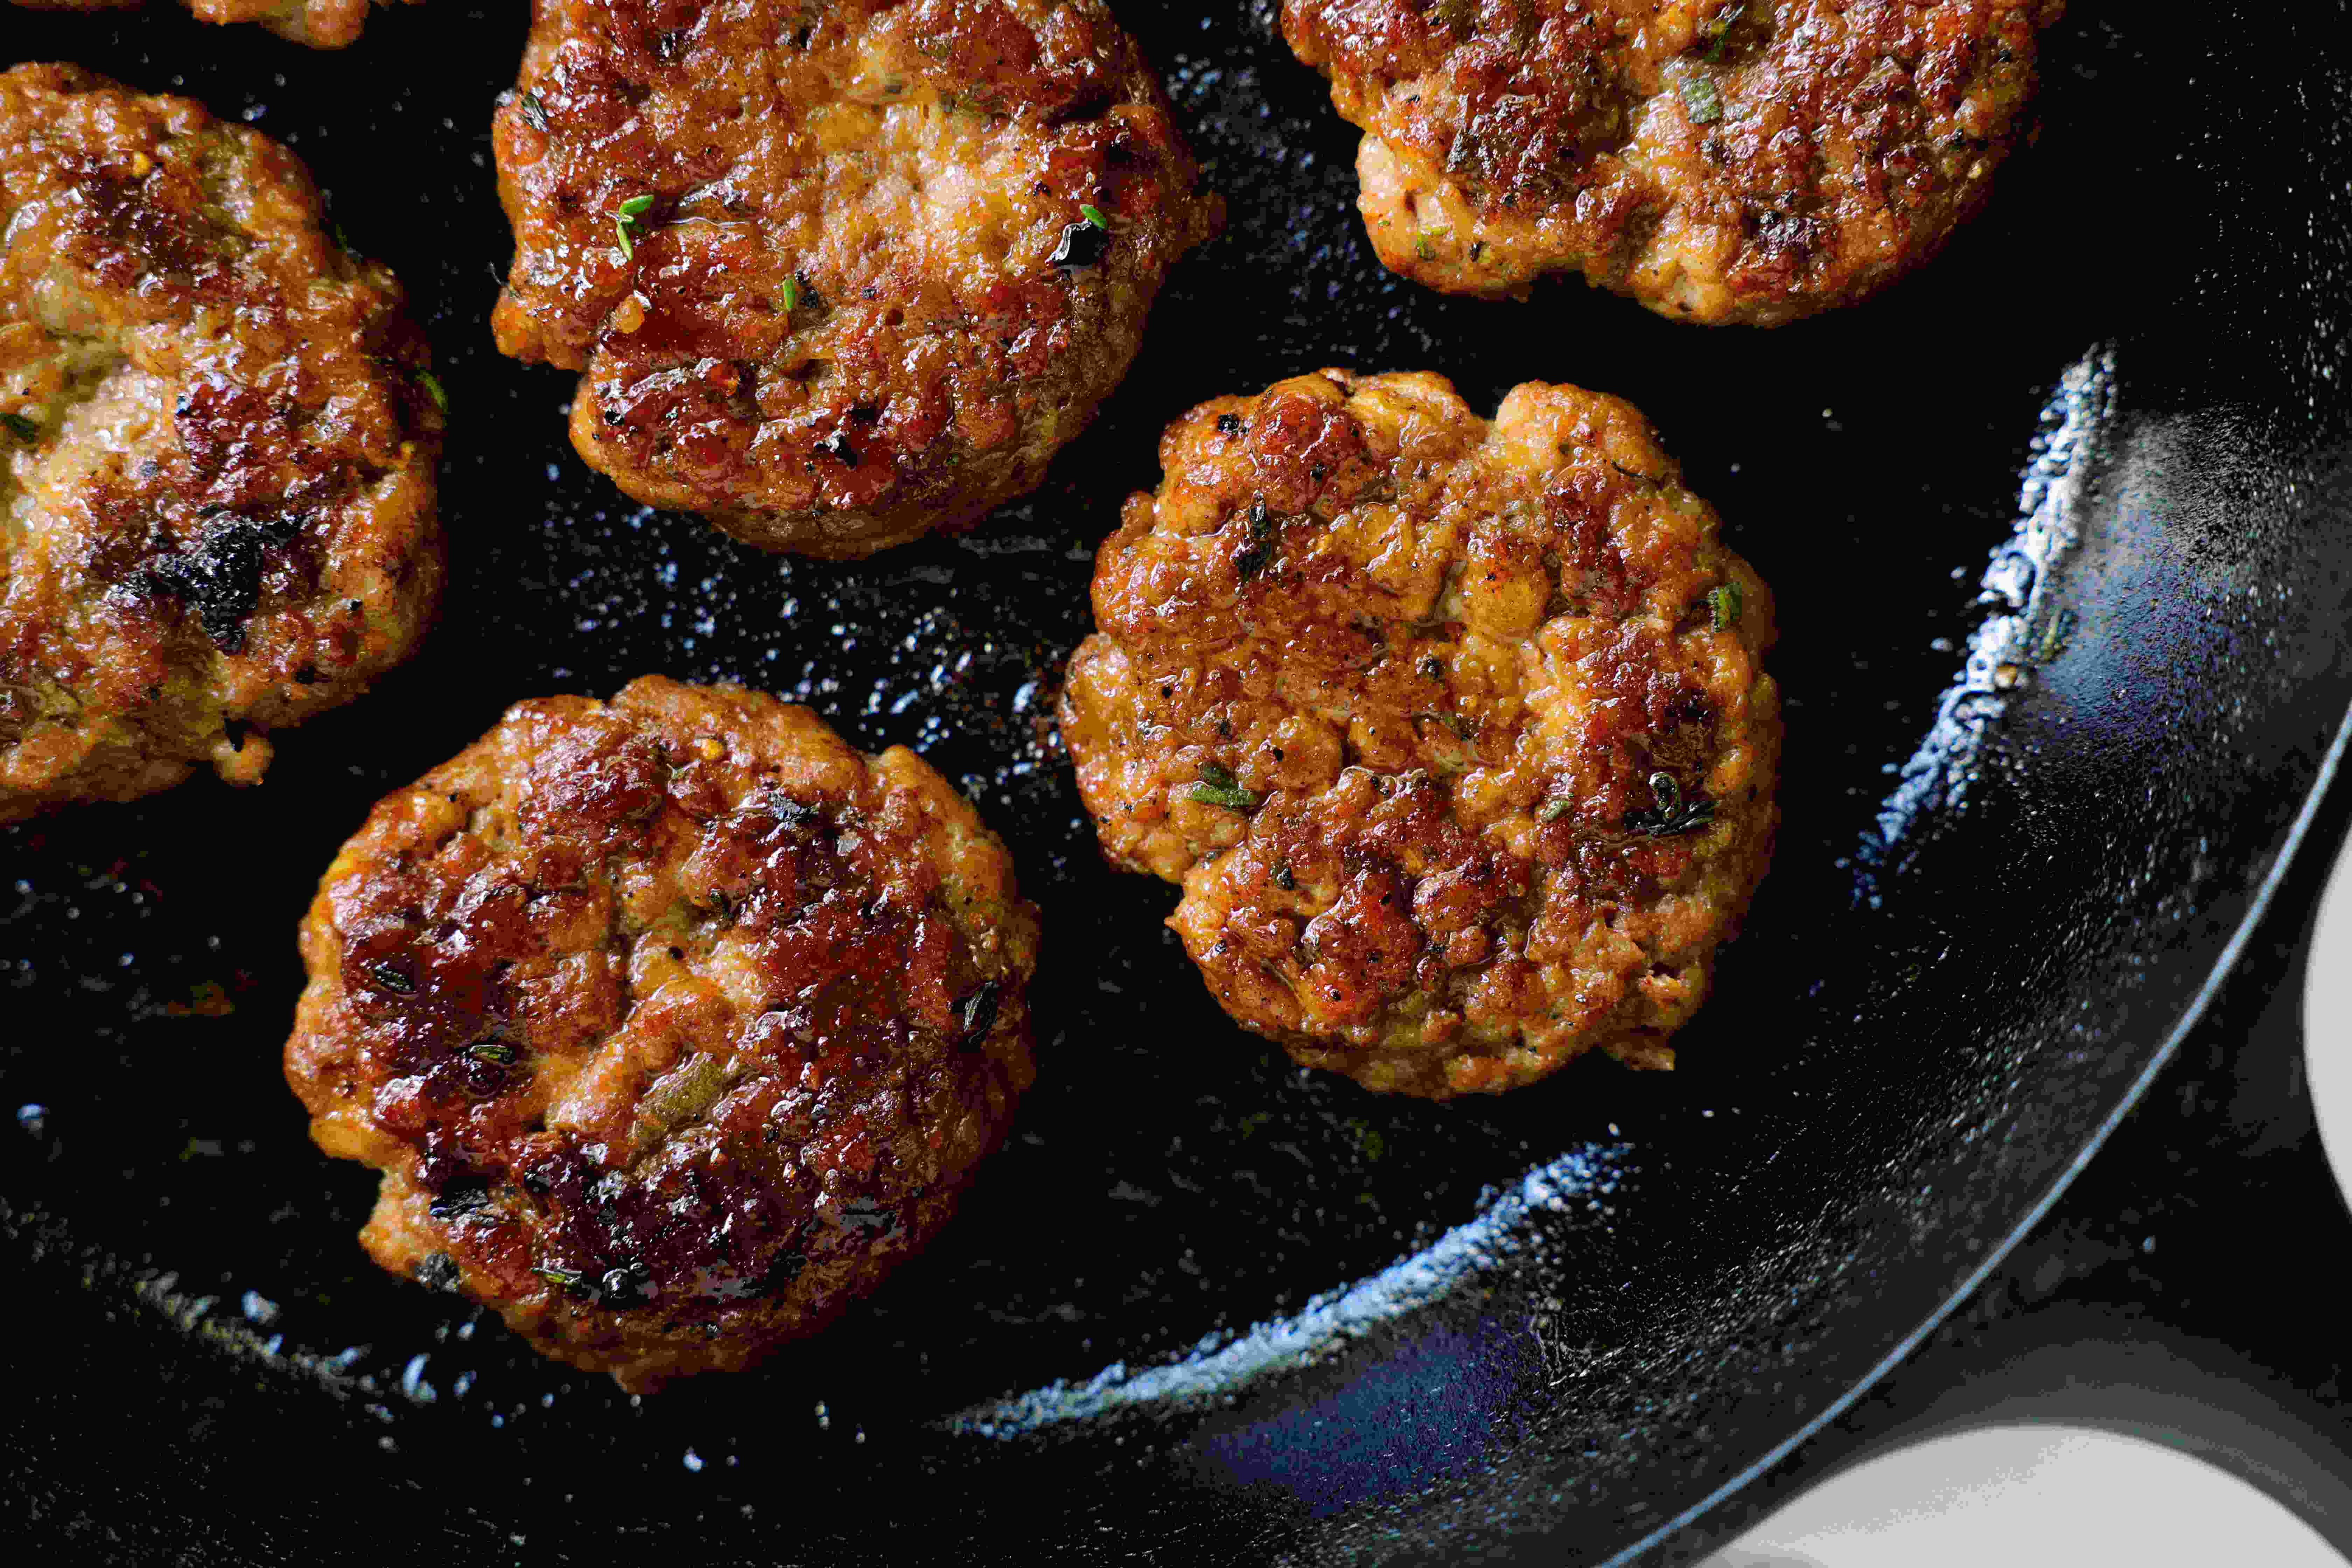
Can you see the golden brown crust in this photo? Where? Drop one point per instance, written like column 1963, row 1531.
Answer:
column 1717, row 161
column 321, row 24
column 217, row 469
column 837, row 322
column 673, row 1023
column 1454, row 732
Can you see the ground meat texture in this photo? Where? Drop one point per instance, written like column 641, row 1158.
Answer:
column 1453, row 732
column 321, row 24
column 832, row 273
column 1718, row 161
column 673, row 1023
column 217, row 439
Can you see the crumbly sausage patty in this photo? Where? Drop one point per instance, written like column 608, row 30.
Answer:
column 1453, row 732
column 833, row 273
column 673, row 1023
column 217, row 438
column 321, row 24
column 1717, row 161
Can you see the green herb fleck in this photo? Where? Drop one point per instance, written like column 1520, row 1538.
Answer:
column 1672, row 814
column 1253, row 560
column 491, row 1051
column 628, row 218
column 534, row 111
column 434, row 389
column 1553, row 809
column 1462, row 725
column 1093, row 214
column 1719, row 28
column 1724, row 605
column 1422, row 249
column 392, row 980
column 2054, row 635
column 1701, row 99
column 792, row 294
column 19, row 427
column 343, row 241
column 569, row 1278
column 1219, row 788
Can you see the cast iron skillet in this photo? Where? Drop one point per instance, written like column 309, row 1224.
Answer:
column 1205, row 1308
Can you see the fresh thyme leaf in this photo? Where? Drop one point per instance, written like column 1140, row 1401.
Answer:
column 978, row 1012
column 1672, row 814
column 792, row 294
column 627, row 217
column 1219, row 788
column 491, row 1051
column 1553, row 809
column 2054, row 636
column 1093, row 214
column 569, row 1278
column 1253, row 560
column 19, row 427
column 392, row 980
column 534, row 111
column 1422, row 249
column 1724, row 605
column 1701, row 99
column 434, row 389
column 1719, row 28
column 1462, row 725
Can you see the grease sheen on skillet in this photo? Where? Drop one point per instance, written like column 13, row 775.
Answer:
column 217, row 472
column 837, row 275
column 673, row 1023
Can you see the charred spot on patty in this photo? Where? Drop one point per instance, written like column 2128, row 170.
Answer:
column 220, row 469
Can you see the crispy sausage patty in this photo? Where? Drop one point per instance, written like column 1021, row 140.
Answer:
column 1718, row 161
column 837, row 275
column 217, row 438
column 321, row 24
column 673, row 1023
column 1453, row 732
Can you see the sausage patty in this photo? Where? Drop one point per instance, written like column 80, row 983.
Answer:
column 1720, row 161
column 321, row 24
column 1453, row 732
column 673, row 1023
column 837, row 275
column 217, row 439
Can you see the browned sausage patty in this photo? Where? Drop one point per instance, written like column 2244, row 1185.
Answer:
column 837, row 275
column 673, row 1023
column 1453, row 732
column 321, row 24
column 217, row 438
column 1720, row 161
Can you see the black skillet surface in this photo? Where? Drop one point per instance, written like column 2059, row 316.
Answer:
column 1259, row 1315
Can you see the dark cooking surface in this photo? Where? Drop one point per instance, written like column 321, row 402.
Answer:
column 1933, row 1010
